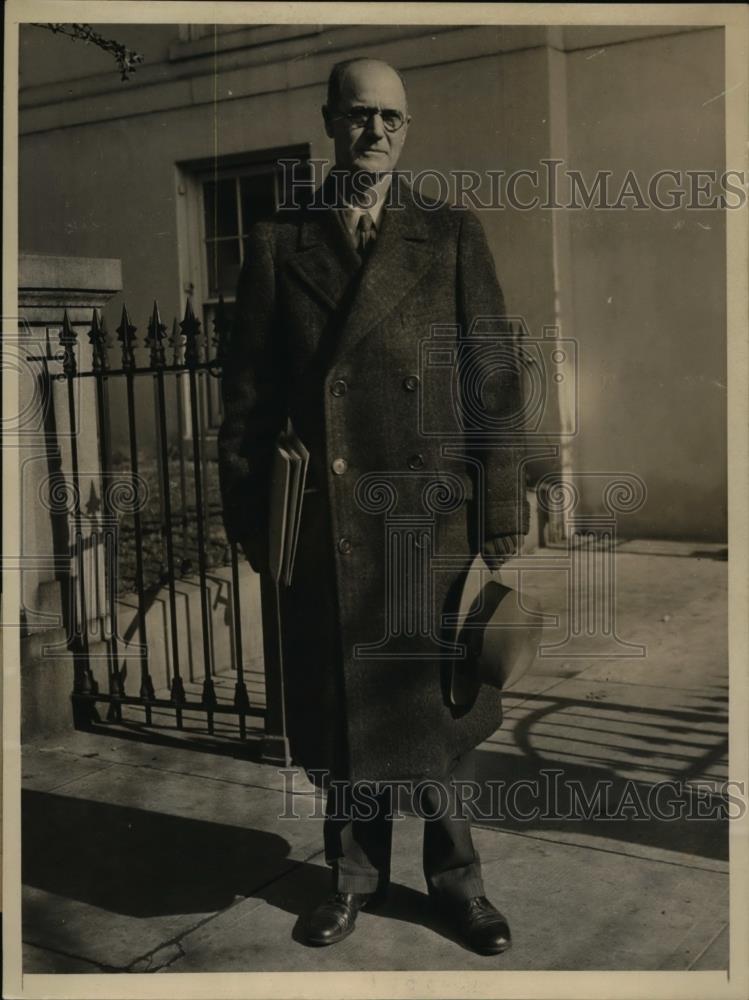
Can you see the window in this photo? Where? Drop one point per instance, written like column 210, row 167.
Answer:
column 230, row 205
column 224, row 198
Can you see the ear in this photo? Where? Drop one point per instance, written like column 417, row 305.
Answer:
column 326, row 118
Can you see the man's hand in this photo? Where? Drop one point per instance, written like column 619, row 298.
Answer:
column 498, row 550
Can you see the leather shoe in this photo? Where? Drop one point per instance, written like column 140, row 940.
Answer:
column 335, row 917
column 479, row 924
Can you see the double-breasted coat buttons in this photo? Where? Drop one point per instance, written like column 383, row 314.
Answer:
column 411, row 383
column 416, row 462
column 339, row 387
column 339, row 466
column 344, row 545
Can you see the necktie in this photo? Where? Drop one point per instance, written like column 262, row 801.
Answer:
column 365, row 232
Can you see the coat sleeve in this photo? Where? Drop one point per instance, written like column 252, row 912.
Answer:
column 494, row 373
column 253, row 397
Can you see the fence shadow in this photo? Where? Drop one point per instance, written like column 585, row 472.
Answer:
column 567, row 751
column 194, row 739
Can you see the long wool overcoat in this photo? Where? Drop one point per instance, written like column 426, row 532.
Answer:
column 390, row 369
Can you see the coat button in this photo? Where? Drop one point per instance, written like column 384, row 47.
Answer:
column 411, row 383
column 339, row 466
column 339, row 387
column 344, row 545
column 416, row 462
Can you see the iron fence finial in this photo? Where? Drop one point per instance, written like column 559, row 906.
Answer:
column 126, row 336
column 155, row 337
column 190, row 327
column 93, row 504
column 177, row 342
column 68, row 339
column 97, row 339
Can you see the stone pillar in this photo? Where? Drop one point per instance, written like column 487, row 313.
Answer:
column 48, row 285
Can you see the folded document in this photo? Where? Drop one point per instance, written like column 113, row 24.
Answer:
column 288, row 477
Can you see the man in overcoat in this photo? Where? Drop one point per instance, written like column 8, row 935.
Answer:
column 352, row 317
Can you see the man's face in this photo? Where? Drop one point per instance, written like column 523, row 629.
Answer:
column 371, row 147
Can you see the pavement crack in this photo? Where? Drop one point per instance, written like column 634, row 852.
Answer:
column 172, row 950
column 159, row 959
column 102, row 966
column 603, row 850
column 179, row 953
column 177, row 773
column 63, row 784
column 702, row 951
column 167, row 952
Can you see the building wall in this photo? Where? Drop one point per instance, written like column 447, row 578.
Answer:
column 649, row 286
column 98, row 178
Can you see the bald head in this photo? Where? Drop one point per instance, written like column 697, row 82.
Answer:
column 366, row 115
column 372, row 66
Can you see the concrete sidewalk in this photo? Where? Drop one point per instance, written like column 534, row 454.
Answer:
column 140, row 856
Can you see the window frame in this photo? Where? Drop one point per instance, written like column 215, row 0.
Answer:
column 192, row 237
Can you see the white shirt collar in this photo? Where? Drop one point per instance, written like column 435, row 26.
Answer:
column 351, row 213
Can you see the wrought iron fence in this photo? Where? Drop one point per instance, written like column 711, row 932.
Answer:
column 189, row 357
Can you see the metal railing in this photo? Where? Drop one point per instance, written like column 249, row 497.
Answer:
column 193, row 359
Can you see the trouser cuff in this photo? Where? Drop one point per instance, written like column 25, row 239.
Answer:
column 457, row 883
column 358, row 881
column 355, row 883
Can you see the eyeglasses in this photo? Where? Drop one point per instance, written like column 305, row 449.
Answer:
column 360, row 117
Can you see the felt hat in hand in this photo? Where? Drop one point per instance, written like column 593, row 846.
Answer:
column 498, row 631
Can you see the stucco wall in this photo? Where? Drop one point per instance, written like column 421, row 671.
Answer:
column 649, row 286
column 641, row 292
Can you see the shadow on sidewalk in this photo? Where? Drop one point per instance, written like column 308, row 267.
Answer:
column 194, row 737
column 144, row 865
column 141, row 863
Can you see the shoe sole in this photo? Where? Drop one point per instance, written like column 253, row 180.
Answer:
column 374, row 903
column 323, row 942
column 491, row 951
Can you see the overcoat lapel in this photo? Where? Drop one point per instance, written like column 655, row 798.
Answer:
column 325, row 260
column 327, row 263
column 400, row 256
